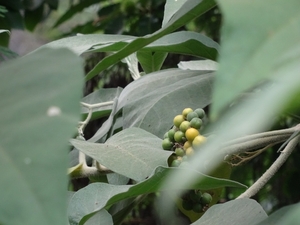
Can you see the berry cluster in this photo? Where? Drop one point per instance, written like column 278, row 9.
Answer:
column 184, row 137
column 196, row 200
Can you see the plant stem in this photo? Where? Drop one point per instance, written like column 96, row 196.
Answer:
column 258, row 141
column 272, row 170
column 90, row 107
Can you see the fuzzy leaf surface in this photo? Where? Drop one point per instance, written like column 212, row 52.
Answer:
column 151, row 102
column 133, row 152
column 39, row 113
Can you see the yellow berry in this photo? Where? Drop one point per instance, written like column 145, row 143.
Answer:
column 189, row 151
column 199, row 140
column 191, row 133
column 186, row 111
column 178, row 120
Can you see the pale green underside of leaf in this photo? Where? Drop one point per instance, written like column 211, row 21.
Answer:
column 181, row 42
column 81, row 43
column 198, row 65
column 240, row 211
column 252, row 46
column 152, row 101
column 288, row 215
column 132, row 152
column 39, row 113
column 98, row 195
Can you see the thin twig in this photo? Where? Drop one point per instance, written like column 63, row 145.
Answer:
column 272, row 170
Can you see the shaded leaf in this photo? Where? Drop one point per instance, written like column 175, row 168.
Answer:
column 39, row 114
column 151, row 61
column 96, row 196
column 107, row 125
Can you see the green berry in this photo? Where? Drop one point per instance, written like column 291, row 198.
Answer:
column 197, row 208
column 171, row 134
column 184, row 126
column 200, row 112
column 166, row 135
column 194, row 197
column 179, row 136
column 178, row 120
column 179, row 152
column 196, row 123
column 167, row 144
column 187, row 205
column 206, row 198
column 191, row 115
column 176, row 163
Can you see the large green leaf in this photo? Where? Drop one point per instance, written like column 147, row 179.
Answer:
column 39, row 113
column 189, row 10
column 181, row 42
column 96, row 196
column 253, row 45
column 133, row 153
column 151, row 102
column 240, row 211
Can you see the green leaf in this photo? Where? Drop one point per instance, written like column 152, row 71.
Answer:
column 244, row 61
column 239, row 211
column 133, row 153
column 190, row 10
column 151, row 102
column 182, row 42
column 96, row 196
column 171, row 7
column 39, row 113
column 187, row 43
column 73, row 10
column 151, row 61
